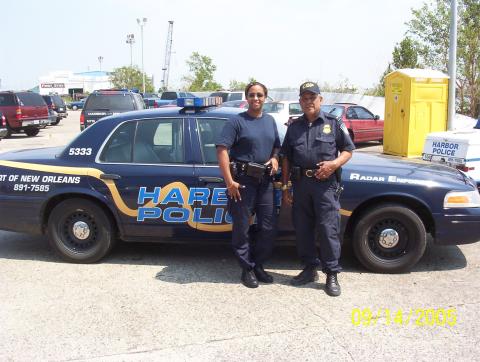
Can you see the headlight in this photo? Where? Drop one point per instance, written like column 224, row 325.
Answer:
column 462, row 199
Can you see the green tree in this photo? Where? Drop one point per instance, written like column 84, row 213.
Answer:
column 430, row 28
column 202, row 69
column 405, row 54
column 130, row 77
column 379, row 89
column 236, row 85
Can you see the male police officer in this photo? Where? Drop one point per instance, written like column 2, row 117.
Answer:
column 311, row 158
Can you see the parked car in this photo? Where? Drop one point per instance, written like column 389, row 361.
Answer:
column 236, row 104
column 24, row 111
column 56, row 104
column 284, row 112
column 53, row 117
column 76, row 104
column 166, row 99
column 3, row 126
column 151, row 95
column 228, row 96
column 153, row 175
column 362, row 124
column 105, row 102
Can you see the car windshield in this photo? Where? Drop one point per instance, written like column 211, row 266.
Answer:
column 113, row 102
column 273, row 107
column 30, row 99
column 150, row 95
column 58, row 101
column 337, row 111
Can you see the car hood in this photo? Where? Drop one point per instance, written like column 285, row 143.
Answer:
column 32, row 155
column 409, row 169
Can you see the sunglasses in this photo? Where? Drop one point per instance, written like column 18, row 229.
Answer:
column 259, row 95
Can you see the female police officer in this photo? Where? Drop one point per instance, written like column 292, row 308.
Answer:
column 253, row 142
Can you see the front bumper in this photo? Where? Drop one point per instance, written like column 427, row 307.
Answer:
column 455, row 227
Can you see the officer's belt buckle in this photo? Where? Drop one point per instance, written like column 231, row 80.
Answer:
column 309, row 173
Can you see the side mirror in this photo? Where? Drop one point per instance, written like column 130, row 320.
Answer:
column 377, row 117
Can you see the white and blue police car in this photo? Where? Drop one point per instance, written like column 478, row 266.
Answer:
column 152, row 175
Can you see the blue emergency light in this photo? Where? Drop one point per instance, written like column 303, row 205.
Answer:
column 198, row 102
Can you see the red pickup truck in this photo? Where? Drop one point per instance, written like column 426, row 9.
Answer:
column 24, row 111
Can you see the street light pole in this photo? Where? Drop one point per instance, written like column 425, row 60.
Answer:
column 131, row 40
column 142, row 23
column 100, row 60
column 452, row 64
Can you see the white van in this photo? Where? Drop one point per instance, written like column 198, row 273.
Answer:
column 459, row 149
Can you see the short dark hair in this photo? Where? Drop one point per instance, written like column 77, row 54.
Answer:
column 251, row 84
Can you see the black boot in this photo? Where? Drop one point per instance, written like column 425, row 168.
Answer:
column 262, row 275
column 332, row 287
column 307, row 275
column 249, row 279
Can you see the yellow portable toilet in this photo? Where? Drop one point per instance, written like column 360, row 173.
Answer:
column 416, row 103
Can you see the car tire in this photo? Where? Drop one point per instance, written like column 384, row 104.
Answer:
column 31, row 132
column 80, row 231
column 57, row 121
column 74, row 108
column 389, row 238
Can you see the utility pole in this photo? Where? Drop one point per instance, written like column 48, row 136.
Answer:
column 100, row 60
column 168, row 54
column 452, row 64
column 130, row 41
column 142, row 23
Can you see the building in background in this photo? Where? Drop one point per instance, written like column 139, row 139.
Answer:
column 69, row 83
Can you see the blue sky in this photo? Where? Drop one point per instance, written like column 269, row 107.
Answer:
column 279, row 42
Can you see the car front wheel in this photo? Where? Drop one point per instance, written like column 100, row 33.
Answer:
column 389, row 238
column 80, row 231
column 74, row 108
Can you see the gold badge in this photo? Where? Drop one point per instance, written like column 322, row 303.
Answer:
column 327, row 129
column 307, row 85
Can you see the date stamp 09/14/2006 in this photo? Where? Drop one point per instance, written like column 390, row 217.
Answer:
column 418, row 317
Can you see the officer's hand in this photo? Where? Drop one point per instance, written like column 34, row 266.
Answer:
column 325, row 169
column 273, row 161
column 287, row 197
column 234, row 191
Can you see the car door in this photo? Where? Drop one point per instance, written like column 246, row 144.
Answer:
column 365, row 125
column 211, row 196
column 146, row 163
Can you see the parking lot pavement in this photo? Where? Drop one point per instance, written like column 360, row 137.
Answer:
column 184, row 302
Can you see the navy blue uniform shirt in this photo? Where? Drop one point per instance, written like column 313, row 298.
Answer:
column 306, row 145
column 250, row 139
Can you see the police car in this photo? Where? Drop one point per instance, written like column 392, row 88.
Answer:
column 152, row 175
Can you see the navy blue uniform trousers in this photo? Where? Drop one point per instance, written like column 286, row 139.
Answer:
column 316, row 216
column 253, row 245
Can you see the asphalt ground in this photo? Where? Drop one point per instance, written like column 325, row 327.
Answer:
column 151, row 302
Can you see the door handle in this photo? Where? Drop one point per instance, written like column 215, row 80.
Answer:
column 110, row 176
column 208, row 179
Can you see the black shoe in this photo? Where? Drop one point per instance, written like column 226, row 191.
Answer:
column 307, row 275
column 262, row 275
column 332, row 287
column 249, row 279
